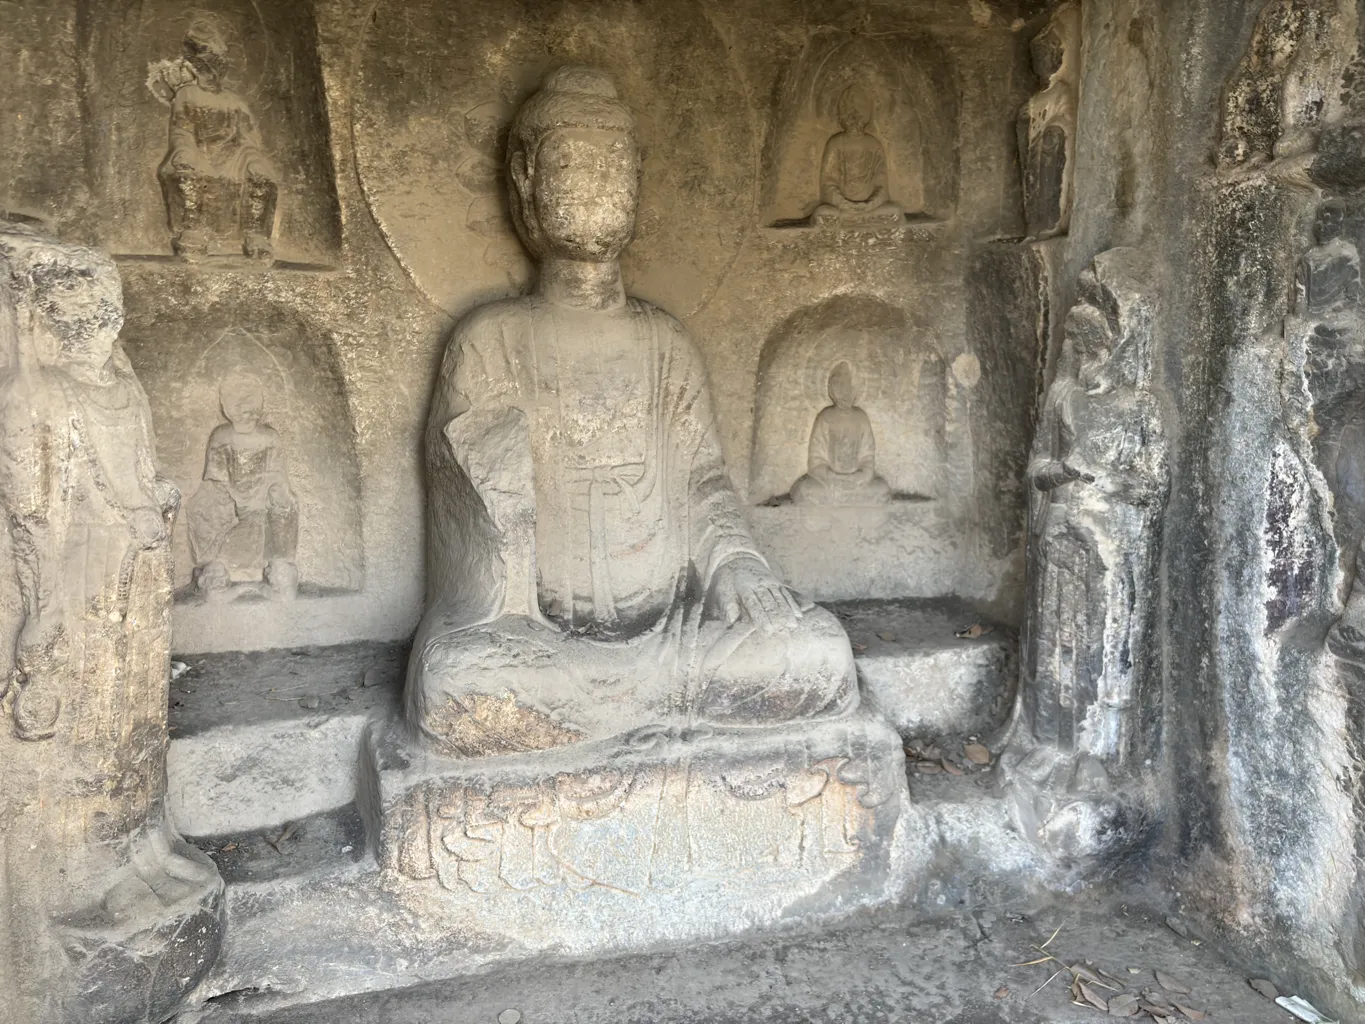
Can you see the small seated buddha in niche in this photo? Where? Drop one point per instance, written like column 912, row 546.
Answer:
column 853, row 182
column 843, row 452
column 1328, row 283
column 218, row 183
column 243, row 519
column 590, row 570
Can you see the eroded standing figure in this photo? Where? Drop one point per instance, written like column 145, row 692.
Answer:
column 243, row 519
column 219, row 185
column 1047, row 126
column 843, row 452
column 1100, row 465
column 853, row 179
column 91, row 863
column 590, row 571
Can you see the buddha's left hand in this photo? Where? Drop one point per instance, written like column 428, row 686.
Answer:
column 746, row 588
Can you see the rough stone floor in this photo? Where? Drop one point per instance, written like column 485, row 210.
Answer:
column 894, row 967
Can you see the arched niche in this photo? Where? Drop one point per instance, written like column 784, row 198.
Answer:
column 900, row 381
column 911, row 82
column 184, row 363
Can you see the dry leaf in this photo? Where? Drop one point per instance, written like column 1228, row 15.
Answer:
column 888, row 637
column 973, row 631
column 929, row 767
column 228, row 848
column 1092, row 997
column 1265, row 988
column 1125, row 1005
column 1192, row 1014
column 859, row 648
column 1171, row 984
column 977, row 753
column 278, row 841
column 1002, row 992
column 951, row 768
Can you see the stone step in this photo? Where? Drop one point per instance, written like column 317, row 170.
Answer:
column 269, row 737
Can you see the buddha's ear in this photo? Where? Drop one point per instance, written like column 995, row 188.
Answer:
column 521, row 176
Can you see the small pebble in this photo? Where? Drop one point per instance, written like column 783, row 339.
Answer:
column 309, row 702
column 509, row 1016
column 371, row 677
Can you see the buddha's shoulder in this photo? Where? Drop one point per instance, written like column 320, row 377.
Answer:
column 495, row 319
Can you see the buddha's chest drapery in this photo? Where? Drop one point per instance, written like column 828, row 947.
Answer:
column 610, row 547
column 856, row 166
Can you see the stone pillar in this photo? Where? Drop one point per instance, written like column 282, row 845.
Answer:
column 109, row 915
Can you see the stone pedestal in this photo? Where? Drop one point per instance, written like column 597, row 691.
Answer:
column 661, row 839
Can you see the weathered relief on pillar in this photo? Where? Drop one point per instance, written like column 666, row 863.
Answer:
column 1292, row 97
column 220, row 149
column 100, row 894
column 865, row 137
column 255, row 429
column 1047, row 125
column 1100, row 477
column 220, row 187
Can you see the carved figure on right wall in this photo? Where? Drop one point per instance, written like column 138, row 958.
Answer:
column 1328, row 284
column 243, row 519
column 843, row 452
column 1100, row 465
column 219, row 185
column 1047, row 126
column 853, row 180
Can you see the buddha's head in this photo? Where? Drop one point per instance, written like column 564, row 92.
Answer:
column 573, row 161
column 841, row 391
column 855, row 109
column 206, row 50
column 243, row 402
column 1331, row 221
column 1051, row 49
column 67, row 299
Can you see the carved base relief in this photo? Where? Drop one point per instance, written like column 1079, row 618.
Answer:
column 737, row 826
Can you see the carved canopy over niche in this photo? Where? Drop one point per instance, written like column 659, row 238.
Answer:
column 190, row 372
column 438, row 83
column 899, row 379
column 271, row 72
column 911, row 82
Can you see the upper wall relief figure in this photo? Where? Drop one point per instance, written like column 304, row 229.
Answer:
column 1288, row 87
column 843, row 452
column 866, row 134
column 853, row 182
column 243, row 519
column 590, row 570
column 92, row 862
column 1047, row 126
column 219, row 185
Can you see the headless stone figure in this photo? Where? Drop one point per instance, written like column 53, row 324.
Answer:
column 590, row 572
column 245, row 491
column 843, row 452
column 1047, row 126
column 218, row 183
column 853, row 186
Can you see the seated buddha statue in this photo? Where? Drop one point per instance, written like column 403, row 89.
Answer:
column 590, row 571
column 843, row 452
column 853, row 180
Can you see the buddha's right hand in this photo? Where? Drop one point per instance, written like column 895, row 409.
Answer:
column 745, row 588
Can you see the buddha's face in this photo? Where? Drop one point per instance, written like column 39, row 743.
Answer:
column 584, row 189
column 841, row 386
column 1330, row 224
column 81, row 303
column 243, row 405
column 1089, row 332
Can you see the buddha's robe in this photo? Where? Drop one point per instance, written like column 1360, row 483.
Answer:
column 578, row 512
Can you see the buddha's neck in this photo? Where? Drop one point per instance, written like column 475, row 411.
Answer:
column 582, row 285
